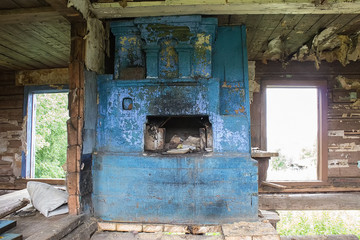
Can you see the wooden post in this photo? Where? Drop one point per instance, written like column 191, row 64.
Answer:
column 76, row 112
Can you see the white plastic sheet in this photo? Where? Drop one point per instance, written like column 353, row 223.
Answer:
column 50, row 201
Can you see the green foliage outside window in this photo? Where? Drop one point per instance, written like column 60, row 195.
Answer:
column 51, row 135
column 300, row 223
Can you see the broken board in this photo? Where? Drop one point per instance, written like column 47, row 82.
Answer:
column 11, row 236
column 6, row 225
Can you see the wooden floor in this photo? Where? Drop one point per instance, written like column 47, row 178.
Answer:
column 33, row 225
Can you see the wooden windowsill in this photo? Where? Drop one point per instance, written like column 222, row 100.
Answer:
column 302, row 184
column 309, row 187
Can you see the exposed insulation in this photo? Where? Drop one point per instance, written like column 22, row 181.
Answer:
column 348, row 84
column 95, row 38
column 253, row 85
column 275, row 50
column 332, row 47
column 328, row 45
column 95, row 46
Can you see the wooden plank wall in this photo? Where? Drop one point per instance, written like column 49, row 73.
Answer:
column 343, row 114
column 11, row 119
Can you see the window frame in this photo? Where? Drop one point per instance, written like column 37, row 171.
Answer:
column 28, row 163
column 321, row 85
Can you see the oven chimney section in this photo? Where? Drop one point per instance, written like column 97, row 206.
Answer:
column 173, row 132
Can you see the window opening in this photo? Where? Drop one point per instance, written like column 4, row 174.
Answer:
column 292, row 115
column 47, row 113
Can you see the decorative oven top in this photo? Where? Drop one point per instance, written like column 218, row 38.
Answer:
column 167, row 47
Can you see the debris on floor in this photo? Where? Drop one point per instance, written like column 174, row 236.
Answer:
column 33, row 225
column 239, row 230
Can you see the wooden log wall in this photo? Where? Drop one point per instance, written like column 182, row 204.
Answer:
column 13, row 130
column 344, row 131
column 11, row 120
column 343, row 113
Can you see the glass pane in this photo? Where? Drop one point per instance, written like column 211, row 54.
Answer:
column 292, row 121
column 51, row 114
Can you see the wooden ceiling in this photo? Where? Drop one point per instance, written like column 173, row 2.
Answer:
column 296, row 30
column 35, row 36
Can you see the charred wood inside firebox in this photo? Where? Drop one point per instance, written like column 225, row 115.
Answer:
column 178, row 134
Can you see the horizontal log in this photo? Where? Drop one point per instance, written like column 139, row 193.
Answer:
column 352, row 134
column 313, row 201
column 11, row 90
column 6, row 170
column 351, row 171
column 42, row 77
column 219, row 7
column 12, row 97
column 5, row 164
column 21, row 183
column 344, row 113
column 12, row 104
column 14, row 143
column 339, row 142
column 4, row 179
column 352, row 157
column 341, row 182
column 9, row 127
column 12, row 114
column 343, row 124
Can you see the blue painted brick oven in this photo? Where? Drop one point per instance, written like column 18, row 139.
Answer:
column 191, row 67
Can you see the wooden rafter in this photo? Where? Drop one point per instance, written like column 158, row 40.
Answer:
column 219, row 7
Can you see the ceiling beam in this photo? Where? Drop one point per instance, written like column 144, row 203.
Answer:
column 27, row 15
column 65, row 10
column 219, row 7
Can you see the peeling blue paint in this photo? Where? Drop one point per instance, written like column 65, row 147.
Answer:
column 182, row 189
column 211, row 188
column 165, row 40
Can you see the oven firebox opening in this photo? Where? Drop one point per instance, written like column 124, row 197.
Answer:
column 178, row 134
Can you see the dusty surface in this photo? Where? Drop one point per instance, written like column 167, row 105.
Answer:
column 150, row 236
